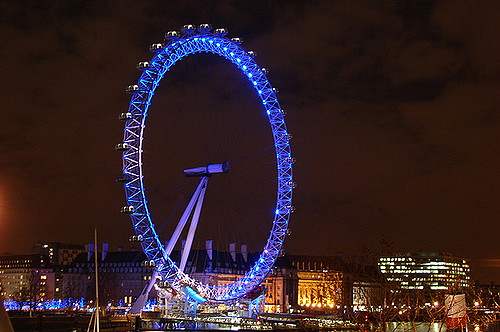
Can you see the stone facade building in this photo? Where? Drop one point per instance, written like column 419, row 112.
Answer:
column 26, row 278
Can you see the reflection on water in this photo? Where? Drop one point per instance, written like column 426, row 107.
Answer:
column 416, row 327
column 437, row 327
column 413, row 327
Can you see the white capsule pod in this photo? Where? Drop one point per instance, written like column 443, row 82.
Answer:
column 204, row 28
column 253, row 54
column 172, row 35
column 142, row 65
column 122, row 146
column 237, row 40
column 156, row 47
column 220, row 32
column 149, row 264
column 127, row 209
column 136, row 238
column 188, row 29
column 133, row 88
column 125, row 116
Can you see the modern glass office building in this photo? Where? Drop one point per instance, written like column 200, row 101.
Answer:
column 426, row 270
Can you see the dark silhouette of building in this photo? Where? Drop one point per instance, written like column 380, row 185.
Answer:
column 58, row 253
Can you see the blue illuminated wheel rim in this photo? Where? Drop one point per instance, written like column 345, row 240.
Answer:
column 166, row 55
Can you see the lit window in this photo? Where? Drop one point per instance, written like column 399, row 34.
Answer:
column 43, row 277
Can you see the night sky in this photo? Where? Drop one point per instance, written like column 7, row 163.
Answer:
column 393, row 107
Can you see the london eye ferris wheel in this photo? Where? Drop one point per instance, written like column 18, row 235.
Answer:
column 203, row 157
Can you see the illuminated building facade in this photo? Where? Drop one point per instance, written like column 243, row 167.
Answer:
column 432, row 271
column 282, row 287
column 313, row 283
column 323, row 283
column 26, row 278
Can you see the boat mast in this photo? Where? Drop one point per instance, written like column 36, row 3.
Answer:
column 96, row 326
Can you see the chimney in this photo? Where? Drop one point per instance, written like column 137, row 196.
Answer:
column 104, row 249
column 232, row 251
column 208, row 247
column 90, row 250
column 244, row 252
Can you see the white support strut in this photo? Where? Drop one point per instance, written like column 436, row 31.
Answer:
column 184, row 218
column 141, row 300
column 194, row 224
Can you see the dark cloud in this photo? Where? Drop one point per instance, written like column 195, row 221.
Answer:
column 392, row 105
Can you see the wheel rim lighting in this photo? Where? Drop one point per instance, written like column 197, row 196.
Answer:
column 165, row 57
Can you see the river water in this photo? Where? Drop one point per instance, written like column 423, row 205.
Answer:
column 436, row 327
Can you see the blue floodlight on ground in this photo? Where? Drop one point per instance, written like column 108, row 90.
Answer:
column 178, row 46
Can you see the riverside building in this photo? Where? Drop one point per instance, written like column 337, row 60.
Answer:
column 432, row 271
column 26, row 278
column 323, row 282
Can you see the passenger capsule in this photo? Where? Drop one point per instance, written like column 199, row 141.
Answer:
column 125, row 116
column 133, row 88
column 122, row 146
column 156, row 47
column 127, row 209
column 188, row 29
column 264, row 70
column 237, row 40
column 124, row 178
column 220, row 32
column 149, row 264
column 136, row 238
column 252, row 53
column 142, row 65
column 292, row 184
column 204, row 28
column 291, row 160
column 172, row 35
